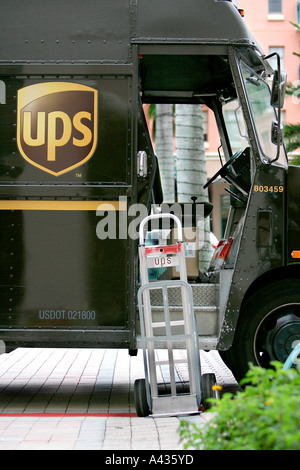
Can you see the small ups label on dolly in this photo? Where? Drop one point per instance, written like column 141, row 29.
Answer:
column 162, row 261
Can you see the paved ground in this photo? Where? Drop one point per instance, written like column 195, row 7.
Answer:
column 82, row 399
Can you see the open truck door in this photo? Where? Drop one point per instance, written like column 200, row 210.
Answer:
column 233, row 78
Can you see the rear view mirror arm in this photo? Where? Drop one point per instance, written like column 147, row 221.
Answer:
column 277, row 98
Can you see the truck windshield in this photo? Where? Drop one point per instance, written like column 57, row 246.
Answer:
column 263, row 113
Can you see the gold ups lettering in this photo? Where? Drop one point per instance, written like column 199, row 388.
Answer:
column 57, row 125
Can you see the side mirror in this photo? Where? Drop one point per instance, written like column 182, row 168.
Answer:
column 277, row 101
column 278, row 89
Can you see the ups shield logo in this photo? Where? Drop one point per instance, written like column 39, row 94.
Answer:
column 57, row 125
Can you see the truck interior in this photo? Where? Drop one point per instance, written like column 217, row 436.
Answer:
column 204, row 79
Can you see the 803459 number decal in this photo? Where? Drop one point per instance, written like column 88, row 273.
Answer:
column 268, row 189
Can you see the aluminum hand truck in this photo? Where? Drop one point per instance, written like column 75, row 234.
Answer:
column 152, row 398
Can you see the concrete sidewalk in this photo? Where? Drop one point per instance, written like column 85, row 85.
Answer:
column 88, row 433
column 82, row 399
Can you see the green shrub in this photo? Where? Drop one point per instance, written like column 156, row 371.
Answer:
column 264, row 416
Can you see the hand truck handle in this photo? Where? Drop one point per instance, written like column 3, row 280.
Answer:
column 160, row 216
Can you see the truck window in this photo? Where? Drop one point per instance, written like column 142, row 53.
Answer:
column 235, row 125
column 258, row 93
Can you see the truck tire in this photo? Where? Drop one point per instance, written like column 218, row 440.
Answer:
column 268, row 327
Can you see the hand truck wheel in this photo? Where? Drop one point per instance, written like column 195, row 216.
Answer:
column 207, row 385
column 140, row 398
